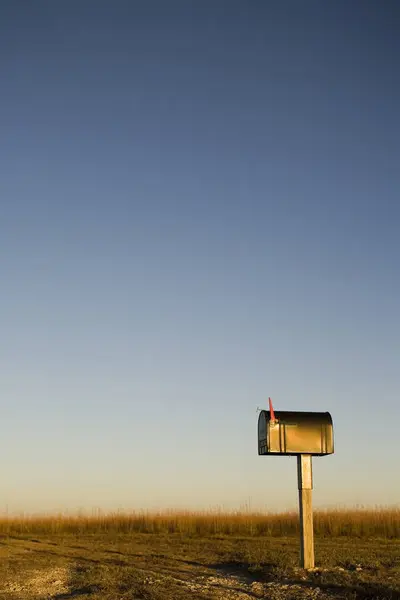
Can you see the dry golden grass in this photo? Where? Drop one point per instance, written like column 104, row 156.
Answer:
column 360, row 523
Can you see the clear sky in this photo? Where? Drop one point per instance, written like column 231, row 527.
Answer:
column 199, row 209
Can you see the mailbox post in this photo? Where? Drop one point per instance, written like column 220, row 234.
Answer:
column 301, row 434
column 304, row 478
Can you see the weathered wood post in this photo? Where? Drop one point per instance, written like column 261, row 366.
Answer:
column 305, row 483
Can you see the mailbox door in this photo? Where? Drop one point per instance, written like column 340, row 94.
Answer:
column 262, row 434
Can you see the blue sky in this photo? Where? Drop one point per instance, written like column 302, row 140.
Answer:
column 199, row 209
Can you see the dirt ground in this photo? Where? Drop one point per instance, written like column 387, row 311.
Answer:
column 155, row 567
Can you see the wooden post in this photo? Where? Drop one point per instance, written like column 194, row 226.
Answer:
column 304, row 474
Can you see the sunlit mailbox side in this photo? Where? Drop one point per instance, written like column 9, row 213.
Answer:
column 294, row 433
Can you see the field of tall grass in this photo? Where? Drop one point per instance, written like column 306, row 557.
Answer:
column 379, row 523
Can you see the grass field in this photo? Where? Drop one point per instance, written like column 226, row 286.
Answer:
column 237, row 556
column 378, row 522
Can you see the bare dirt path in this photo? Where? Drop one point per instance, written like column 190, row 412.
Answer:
column 42, row 583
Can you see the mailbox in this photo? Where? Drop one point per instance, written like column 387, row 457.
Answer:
column 292, row 433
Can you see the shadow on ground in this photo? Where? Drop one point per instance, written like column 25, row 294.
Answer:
column 268, row 573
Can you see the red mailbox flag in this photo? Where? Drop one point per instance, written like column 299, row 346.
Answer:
column 271, row 410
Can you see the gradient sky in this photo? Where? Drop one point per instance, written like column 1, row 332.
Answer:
column 199, row 209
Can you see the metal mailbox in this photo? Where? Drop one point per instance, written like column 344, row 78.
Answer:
column 293, row 433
